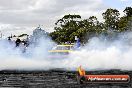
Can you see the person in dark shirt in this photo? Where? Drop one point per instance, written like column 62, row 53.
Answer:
column 18, row 41
column 9, row 38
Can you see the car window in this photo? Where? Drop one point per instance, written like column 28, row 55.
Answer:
column 59, row 48
column 63, row 48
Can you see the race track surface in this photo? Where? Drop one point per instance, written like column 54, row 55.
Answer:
column 54, row 79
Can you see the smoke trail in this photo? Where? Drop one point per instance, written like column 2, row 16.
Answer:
column 12, row 57
column 98, row 53
column 105, row 54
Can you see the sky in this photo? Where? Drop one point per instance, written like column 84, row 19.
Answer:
column 23, row 16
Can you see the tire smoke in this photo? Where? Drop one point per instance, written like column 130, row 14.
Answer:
column 98, row 53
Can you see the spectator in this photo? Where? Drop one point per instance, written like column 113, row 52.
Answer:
column 18, row 41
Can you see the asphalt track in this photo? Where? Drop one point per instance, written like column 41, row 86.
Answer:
column 54, row 79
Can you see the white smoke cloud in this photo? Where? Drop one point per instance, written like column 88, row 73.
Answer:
column 103, row 54
column 35, row 58
column 98, row 53
column 123, row 0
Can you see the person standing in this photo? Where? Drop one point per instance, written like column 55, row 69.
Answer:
column 18, row 41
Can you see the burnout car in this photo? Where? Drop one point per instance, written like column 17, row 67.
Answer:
column 62, row 49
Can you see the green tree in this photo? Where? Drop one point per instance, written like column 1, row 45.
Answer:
column 70, row 26
column 125, row 22
column 122, row 25
column 128, row 11
column 111, row 17
column 65, row 28
column 92, row 26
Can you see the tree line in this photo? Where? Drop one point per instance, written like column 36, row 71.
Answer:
column 70, row 26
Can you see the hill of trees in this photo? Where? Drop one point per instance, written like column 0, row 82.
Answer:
column 70, row 26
